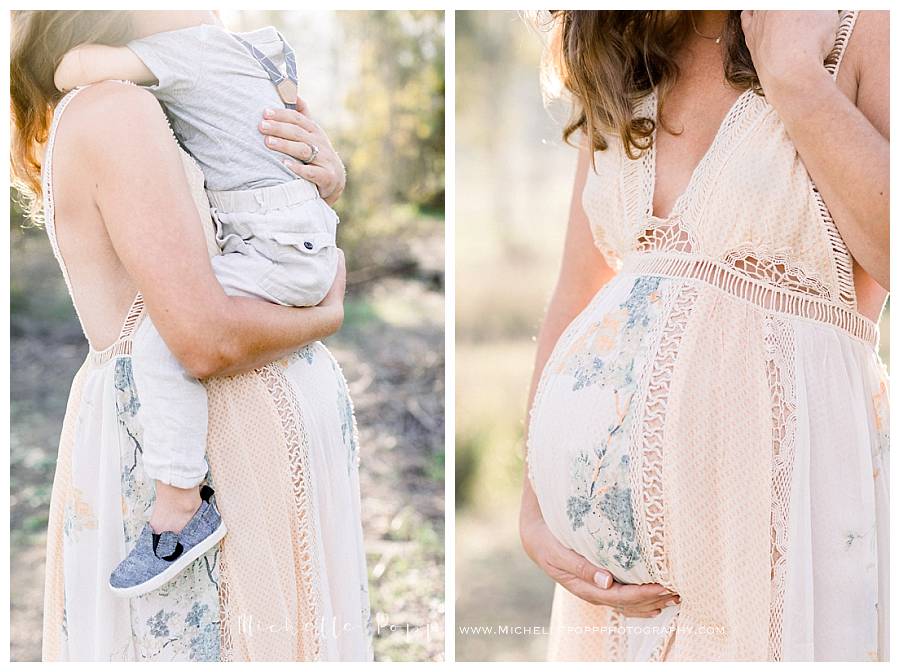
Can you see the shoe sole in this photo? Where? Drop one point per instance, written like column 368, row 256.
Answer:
column 175, row 568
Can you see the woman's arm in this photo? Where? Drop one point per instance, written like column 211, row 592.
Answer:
column 844, row 146
column 583, row 272
column 143, row 197
column 92, row 63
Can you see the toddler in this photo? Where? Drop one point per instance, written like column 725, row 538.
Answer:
column 276, row 234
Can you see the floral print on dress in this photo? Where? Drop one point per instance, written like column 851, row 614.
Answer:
column 78, row 515
column 348, row 428
column 349, row 433
column 621, row 330
column 180, row 620
column 607, row 356
column 138, row 493
column 306, row 353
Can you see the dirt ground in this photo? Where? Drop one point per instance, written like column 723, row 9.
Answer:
column 391, row 351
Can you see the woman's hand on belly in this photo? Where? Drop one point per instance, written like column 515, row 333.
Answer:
column 294, row 133
column 574, row 573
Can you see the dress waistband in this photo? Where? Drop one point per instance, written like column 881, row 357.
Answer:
column 264, row 199
column 764, row 295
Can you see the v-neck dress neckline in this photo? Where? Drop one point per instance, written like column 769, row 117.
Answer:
column 707, row 160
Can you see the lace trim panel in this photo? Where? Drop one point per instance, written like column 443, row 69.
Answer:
column 779, row 345
column 297, row 440
column 123, row 345
column 760, row 294
column 840, row 255
column 649, row 437
column 667, row 235
column 616, row 641
column 775, row 269
column 841, row 38
column 637, row 190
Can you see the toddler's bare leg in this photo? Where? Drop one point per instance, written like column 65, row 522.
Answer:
column 174, row 507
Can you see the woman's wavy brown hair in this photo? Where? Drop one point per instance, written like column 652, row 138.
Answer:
column 608, row 60
column 38, row 42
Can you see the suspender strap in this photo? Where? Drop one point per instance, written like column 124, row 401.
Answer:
column 285, row 82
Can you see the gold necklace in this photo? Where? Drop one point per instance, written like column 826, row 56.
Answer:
column 717, row 38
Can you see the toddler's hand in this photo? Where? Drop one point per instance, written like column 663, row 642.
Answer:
column 69, row 72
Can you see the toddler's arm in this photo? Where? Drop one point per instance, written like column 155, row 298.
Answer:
column 92, row 63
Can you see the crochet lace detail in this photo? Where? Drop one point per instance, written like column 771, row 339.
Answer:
column 648, row 439
column 779, row 347
column 671, row 235
column 775, row 268
column 297, row 444
column 841, row 260
column 771, row 298
column 637, row 191
column 226, row 638
column 778, row 268
column 616, row 641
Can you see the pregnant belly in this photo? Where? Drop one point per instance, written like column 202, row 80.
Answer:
column 586, row 412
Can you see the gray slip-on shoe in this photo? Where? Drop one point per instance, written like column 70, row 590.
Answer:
column 156, row 559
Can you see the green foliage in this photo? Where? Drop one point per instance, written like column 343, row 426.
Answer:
column 393, row 143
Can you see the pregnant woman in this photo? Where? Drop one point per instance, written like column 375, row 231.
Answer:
column 708, row 443
column 129, row 222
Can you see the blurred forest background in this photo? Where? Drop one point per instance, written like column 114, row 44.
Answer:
column 375, row 82
column 514, row 179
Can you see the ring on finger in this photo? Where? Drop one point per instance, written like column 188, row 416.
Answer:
column 313, row 153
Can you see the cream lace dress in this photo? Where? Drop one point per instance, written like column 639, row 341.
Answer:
column 288, row 582
column 716, row 420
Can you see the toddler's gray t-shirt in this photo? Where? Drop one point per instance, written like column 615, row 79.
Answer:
column 214, row 92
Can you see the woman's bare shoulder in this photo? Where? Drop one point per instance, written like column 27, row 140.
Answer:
column 873, row 24
column 104, row 113
column 868, row 49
